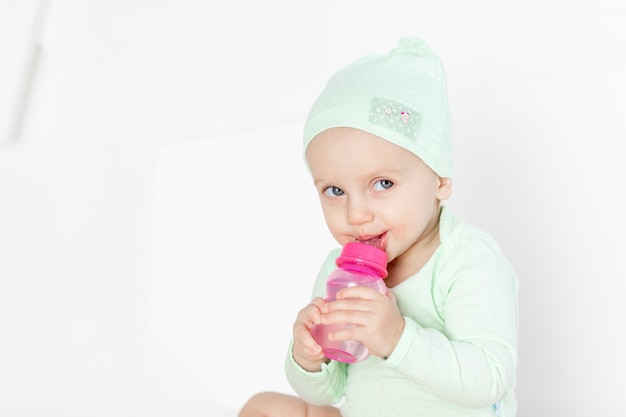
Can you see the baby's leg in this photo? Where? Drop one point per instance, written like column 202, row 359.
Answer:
column 272, row 404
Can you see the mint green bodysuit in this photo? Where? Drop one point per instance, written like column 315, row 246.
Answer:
column 458, row 353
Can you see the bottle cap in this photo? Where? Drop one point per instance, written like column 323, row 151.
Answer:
column 364, row 254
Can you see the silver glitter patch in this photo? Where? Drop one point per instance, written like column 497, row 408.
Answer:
column 395, row 116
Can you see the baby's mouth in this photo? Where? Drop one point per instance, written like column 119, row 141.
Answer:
column 379, row 241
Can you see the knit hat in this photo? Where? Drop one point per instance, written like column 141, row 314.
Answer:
column 400, row 97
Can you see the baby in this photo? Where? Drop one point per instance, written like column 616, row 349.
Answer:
column 443, row 341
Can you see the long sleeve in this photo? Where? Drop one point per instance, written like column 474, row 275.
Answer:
column 322, row 388
column 327, row 386
column 464, row 350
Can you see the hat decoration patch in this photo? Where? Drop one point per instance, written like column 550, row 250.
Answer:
column 395, row 116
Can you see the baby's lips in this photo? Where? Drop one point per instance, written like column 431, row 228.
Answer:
column 379, row 241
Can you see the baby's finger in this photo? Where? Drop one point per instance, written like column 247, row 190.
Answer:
column 306, row 346
column 310, row 315
column 318, row 302
column 348, row 312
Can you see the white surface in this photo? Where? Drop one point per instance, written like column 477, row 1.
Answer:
column 20, row 26
column 157, row 187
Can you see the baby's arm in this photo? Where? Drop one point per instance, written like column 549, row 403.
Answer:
column 316, row 379
column 312, row 376
column 472, row 359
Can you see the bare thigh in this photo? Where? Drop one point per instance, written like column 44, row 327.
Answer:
column 273, row 404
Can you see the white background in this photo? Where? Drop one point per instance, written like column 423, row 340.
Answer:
column 159, row 232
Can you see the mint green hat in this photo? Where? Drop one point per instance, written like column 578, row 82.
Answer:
column 401, row 97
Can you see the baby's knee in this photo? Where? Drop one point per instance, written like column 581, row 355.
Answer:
column 266, row 404
column 252, row 407
column 273, row 404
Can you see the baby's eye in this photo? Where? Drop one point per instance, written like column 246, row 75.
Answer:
column 383, row 185
column 333, row 191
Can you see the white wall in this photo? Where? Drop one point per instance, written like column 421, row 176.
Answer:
column 158, row 231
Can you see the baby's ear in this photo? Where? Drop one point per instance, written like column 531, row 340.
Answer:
column 445, row 188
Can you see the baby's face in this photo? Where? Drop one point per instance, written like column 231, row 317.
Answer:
column 372, row 190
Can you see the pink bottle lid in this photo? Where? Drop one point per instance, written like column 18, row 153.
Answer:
column 364, row 254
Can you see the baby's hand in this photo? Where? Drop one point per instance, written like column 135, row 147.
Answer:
column 306, row 352
column 379, row 323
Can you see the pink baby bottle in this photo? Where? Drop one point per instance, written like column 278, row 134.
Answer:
column 358, row 264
